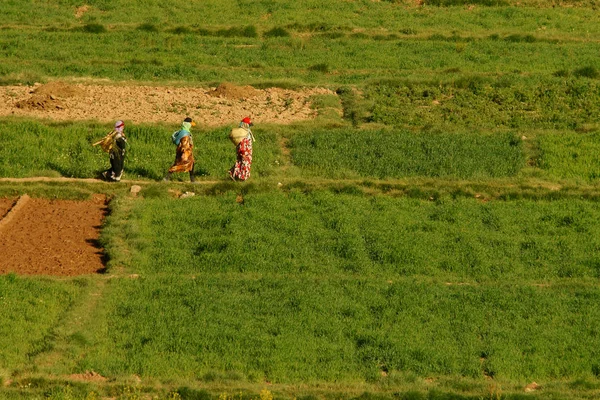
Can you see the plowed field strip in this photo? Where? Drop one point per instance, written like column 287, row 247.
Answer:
column 64, row 101
column 12, row 212
column 5, row 206
column 52, row 237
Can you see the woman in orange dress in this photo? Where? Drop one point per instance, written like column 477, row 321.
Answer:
column 184, row 156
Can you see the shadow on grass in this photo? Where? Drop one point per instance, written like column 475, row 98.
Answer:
column 146, row 173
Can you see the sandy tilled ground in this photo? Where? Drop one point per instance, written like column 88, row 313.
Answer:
column 225, row 104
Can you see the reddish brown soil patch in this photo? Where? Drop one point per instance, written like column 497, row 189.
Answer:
column 52, row 237
column 5, row 205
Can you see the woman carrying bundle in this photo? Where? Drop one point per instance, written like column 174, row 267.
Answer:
column 242, row 137
column 184, row 155
column 114, row 143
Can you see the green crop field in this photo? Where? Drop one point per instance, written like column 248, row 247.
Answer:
column 432, row 234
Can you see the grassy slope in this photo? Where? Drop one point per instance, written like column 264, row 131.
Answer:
column 502, row 289
column 136, row 55
column 382, row 16
column 354, row 40
column 379, row 237
column 316, row 150
column 522, row 301
column 288, row 329
column 31, row 308
column 34, row 149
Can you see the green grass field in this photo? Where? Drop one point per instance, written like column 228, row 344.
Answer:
column 332, row 234
column 35, row 149
column 379, row 292
column 342, row 43
column 316, row 60
column 290, row 330
column 436, row 239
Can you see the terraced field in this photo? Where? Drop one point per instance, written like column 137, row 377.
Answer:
column 421, row 220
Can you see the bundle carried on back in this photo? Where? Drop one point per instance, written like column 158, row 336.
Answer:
column 243, row 131
column 107, row 142
column 237, row 134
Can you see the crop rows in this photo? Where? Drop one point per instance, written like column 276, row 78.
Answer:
column 436, row 237
column 310, row 287
column 149, row 57
column 34, row 149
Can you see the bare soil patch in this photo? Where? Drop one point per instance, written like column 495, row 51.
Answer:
column 40, row 102
column 79, row 11
column 59, row 89
column 5, row 205
column 216, row 106
column 48, row 97
column 52, row 237
column 230, row 91
column 88, row 376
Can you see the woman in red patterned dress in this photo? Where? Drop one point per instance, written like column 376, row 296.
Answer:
column 241, row 168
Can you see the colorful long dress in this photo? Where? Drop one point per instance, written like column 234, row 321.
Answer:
column 184, row 156
column 241, row 168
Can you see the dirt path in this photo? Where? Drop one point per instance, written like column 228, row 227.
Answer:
column 92, row 180
column 82, row 316
column 218, row 106
column 56, row 179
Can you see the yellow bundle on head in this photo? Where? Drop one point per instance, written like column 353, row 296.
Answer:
column 237, row 134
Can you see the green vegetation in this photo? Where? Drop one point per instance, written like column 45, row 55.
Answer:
column 33, row 149
column 313, row 286
column 30, row 310
column 229, row 54
column 289, row 329
column 487, row 103
column 277, row 32
column 572, row 155
column 316, row 150
column 94, row 28
column 431, row 235
column 378, row 237
column 358, row 41
column 347, row 153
